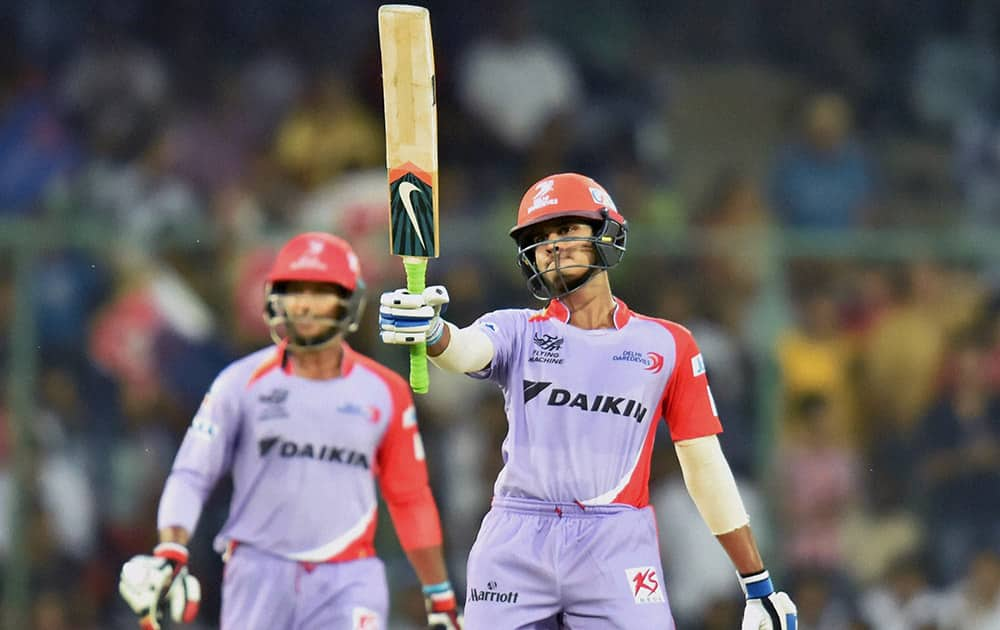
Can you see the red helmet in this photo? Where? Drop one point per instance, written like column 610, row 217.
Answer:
column 317, row 257
column 565, row 195
column 568, row 195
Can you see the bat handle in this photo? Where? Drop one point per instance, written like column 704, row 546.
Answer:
column 416, row 279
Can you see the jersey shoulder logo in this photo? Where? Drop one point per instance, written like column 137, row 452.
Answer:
column 697, row 365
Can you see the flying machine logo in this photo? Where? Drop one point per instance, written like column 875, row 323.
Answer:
column 653, row 361
column 274, row 405
column 547, row 349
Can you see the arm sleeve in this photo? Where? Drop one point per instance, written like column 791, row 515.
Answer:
column 687, row 399
column 470, row 350
column 204, row 455
column 402, row 475
column 710, row 483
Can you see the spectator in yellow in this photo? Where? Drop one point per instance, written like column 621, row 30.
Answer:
column 814, row 357
column 328, row 132
column 902, row 354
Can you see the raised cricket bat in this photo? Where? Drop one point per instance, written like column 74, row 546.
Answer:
column 410, row 150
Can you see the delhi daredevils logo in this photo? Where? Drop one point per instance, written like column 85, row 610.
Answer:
column 653, row 361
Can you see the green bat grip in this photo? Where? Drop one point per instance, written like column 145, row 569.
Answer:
column 416, row 279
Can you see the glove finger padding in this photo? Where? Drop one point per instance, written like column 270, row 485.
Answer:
column 410, row 318
column 403, row 299
column 442, row 609
column 405, row 339
column 451, row 620
column 436, row 296
column 143, row 582
column 773, row 612
column 184, row 597
column 405, row 318
column 433, row 296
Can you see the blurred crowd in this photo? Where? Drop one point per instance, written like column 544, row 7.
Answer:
column 768, row 156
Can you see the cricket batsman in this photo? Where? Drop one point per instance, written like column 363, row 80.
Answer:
column 305, row 427
column 570, row 540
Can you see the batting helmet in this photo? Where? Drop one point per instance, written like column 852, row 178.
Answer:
column 315, row 257
column 568, row 195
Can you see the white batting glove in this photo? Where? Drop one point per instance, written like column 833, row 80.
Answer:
column 151, row 585
column 766, row 609
column 411, row 318
column 443, row 612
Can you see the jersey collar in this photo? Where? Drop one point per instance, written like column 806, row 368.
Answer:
column 557, row 310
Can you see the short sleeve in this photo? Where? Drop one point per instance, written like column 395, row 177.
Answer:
column 205, row 454
column 687, row 404
column 503, row 328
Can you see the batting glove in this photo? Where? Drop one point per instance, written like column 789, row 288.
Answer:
column 766, row 609
column 442, row 608
column 151, row 585
column 412, row 318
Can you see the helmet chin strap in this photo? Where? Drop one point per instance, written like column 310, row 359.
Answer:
column 567, row 287
column 298, row 342
column 305, row 345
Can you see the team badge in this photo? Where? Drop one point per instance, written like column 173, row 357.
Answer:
column 644, row 582
column 364, row 619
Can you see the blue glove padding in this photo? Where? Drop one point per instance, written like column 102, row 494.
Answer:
column 766, row 609
column 412, row 318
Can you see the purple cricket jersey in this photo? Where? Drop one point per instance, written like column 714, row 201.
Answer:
column 582, row 405
column 304, row 456
column 570, row 541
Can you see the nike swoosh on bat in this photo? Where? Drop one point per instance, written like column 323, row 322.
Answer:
column 405, row 189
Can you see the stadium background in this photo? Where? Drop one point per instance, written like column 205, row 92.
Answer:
column 813, row 188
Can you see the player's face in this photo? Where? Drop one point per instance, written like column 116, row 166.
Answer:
column 309, row 306
column 567, row 257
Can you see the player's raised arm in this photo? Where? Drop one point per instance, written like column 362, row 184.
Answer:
column 413, row 318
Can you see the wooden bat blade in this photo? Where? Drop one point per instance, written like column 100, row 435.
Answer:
column 411, row 150
column 410, row 129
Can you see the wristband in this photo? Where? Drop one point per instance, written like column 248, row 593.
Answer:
column 437, row 589
column 175, row 553
column 757, row 585
column 433, row 336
